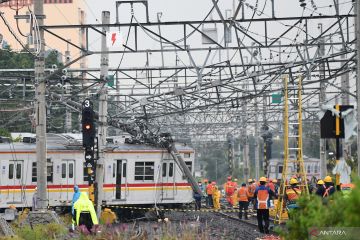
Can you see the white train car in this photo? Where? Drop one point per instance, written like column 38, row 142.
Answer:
column 134, row 174
column 312, row 167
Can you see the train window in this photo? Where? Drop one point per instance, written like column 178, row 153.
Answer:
column 50, row 170
column 308, row 169
column 171, row 169
column 71, row 170
column 144, row 170
column 189, row 165
column 18, row 170
column 280, row 169
column 114, row 170
column 63, row 170
column 164, row 168
column 124, row 170
column 86, row 175
column 33, row 172
column 316, row 168
column 186, row 155
column 11, row 171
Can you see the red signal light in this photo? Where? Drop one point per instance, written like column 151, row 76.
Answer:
column 87, row 126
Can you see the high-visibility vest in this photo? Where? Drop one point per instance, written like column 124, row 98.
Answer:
column 271, row 186
column 262, row 199
column 243, row 194
column 210, row 189
column 293, row 194
column 229, row 188
column 251, row 190
column 327, row 191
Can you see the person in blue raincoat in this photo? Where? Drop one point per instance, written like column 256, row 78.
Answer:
column 75, row 197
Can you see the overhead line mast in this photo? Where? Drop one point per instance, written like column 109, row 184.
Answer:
column 40, row 110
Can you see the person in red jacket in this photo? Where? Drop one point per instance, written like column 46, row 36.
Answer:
column 209, row 192
column 229, row 191
column 243, row 198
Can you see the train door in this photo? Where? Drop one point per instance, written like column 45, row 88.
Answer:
column 15, row 175
column 67, row 180
column 168, row 179
column 120, row 172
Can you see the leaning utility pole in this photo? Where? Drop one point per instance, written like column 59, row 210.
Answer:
column 40, row 108
column 102, row 123
column 357, row 29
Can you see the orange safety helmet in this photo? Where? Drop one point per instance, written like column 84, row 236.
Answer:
column 205, row 180
column 263, row 179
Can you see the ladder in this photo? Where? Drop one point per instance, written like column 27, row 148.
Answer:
column 293, row 155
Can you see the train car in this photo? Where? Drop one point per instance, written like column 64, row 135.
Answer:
column 312, row 167
column 134, row 174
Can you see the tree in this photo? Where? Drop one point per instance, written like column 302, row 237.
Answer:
column 338, row 211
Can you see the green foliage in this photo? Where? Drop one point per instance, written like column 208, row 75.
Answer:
column 5, row 133
column 43, row 232
column 335, row 212
column 10, row 59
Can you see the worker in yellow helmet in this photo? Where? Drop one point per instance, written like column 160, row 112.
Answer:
column 320, row 188
column 329, row 187
column 84, row 212
column 292, row 194
column 263, row 195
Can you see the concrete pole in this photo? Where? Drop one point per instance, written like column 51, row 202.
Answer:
column 345, row 100
column 257, row 157
column 322, row 99
column 68, row 115
column 40, row 114
column 102, row 123
column 246, row 140
column 357, row 27
column 263, row 129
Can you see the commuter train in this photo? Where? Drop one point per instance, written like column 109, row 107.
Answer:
column 312, row 167
column 134, row 174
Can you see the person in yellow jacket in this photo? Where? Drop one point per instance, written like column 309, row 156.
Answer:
column 235, row 195
column 216, row 197
column 84, row 212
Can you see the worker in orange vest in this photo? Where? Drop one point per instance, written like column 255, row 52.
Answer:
column 329, row 187
column 292, row 194
column 209, row 192
column 251, row 191
column 243, row 197
column 271, row 185
column 263, row 195
column 229, row 190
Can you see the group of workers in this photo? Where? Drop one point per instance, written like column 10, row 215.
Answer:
column 259, row 194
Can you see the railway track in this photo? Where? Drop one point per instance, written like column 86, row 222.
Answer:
column 252, row 221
